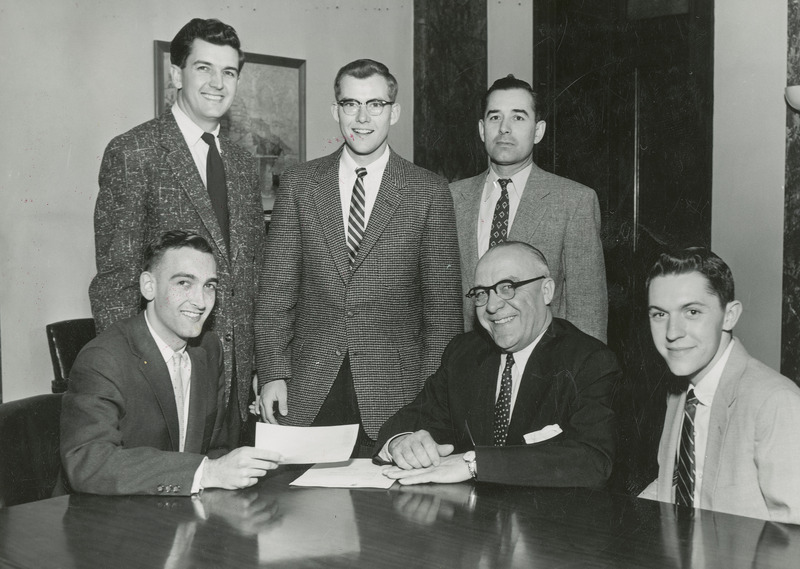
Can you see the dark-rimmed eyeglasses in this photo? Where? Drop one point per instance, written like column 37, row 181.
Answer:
column 374, row 106
column 505, row 289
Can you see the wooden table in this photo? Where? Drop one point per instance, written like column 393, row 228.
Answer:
column 458, row 526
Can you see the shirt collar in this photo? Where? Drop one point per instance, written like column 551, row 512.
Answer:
column 519, row 180
column 376, row 165
column 189, row 129
column 707, row 386
column 163, row 347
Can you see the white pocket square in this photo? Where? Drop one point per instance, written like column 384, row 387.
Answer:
column 543, row 434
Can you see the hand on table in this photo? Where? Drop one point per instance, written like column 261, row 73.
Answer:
column 417, row 450
column 451, row 468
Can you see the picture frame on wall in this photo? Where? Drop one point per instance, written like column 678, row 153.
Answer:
column 267, row 117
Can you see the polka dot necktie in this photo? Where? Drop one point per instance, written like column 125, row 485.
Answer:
column 355, row 222
column 502, row 408
column 500, row 219
column 684, row 469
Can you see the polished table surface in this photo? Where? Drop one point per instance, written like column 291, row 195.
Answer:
column 460, row 525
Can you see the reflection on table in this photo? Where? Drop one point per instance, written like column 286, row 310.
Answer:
column 458, row 526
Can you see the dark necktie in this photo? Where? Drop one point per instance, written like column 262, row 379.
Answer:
column 215, row 182
column 502, row 408
column 356, row 221
column 500, row 219
column 684, row 469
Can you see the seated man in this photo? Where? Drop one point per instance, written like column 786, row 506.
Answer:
column 145, row 406
column 529, row 405
column 732, row 443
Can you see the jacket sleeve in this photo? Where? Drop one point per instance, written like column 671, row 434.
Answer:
column 119, row 228
column 585, row 289
column 92, row 447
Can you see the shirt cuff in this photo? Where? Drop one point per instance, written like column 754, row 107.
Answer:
column 385, row 455
column 198, row 477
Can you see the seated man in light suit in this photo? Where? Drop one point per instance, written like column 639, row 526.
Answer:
column 145, row 410
column 732, row 442
column 529, row 405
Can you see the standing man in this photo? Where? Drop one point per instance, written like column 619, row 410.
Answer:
column 145, row 409
column 359, row 291
column 516, row 200
column 175, row 172
column 730, row 440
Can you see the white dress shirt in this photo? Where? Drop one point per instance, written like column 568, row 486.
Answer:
column 491, row 193
column 192, row 135
column 372, row 183
column 704, row 391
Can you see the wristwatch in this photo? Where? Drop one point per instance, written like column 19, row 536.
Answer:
column 472, row 465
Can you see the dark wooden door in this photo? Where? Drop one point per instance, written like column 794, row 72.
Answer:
column 629, row 87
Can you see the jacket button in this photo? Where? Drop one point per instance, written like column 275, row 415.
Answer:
column 338, row 352
column 228, row 337
column 349, row 313
column 160, row 488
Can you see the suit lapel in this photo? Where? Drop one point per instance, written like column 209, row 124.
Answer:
column 532, row 208
column 238, row 218
column 471, row 196
column 480, row 414
column 155, row 372
column 724, row 398
column 198, row 401
column 328, row 201
column 184, row 172
column 388, row 200
column 668, row 448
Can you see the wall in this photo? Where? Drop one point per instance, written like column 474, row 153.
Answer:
column 81, row 72
column 749, row 156
column 508, row 22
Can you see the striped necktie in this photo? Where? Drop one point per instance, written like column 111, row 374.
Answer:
column 356, row 221
column 684, row 476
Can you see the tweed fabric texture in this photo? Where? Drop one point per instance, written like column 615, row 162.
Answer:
column 149, row 184
column 393, row 311
column 559, row 217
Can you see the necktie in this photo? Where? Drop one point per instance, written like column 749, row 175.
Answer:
column 684, row 469
column 355, row 222
column 500, row 219
column 503, row 406
column 180, row 384
column 215, row 183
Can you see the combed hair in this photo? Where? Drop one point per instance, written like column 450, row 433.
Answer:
column 212, row 31
column 175, row 239
column 362, row 69
column 697, row 260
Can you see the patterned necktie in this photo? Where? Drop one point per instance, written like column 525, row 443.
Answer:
column 502, row 408
column 356, row 221
column 684, row 468
column 180, row 384
column 215, row 182
column 500, row 219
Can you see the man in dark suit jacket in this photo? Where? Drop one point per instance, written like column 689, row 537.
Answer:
column 145, row 407
column 154, row 178
column 559, row 217
column 529, row 405
column 356, row 301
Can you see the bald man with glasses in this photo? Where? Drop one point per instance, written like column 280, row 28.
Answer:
column 527, row 404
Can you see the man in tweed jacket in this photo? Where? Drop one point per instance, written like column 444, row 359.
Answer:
column 340, row 341
column 559, row 217
column 153, row 178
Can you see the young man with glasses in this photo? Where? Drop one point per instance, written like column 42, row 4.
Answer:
column 529, row 404
column 359, row 291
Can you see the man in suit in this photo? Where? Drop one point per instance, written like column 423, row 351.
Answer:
column 528, row 405
column 145, row 408
column 516, row 200
column 730, row 443
column 359, row 291
column 163, row 175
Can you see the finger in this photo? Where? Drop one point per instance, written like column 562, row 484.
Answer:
column 445, row 450
column 268, row 406
column 283, row 406
column 431, row 450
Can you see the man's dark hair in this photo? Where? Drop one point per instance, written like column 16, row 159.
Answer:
column 212, row 31
column 175, row 239
column 510, row 82
column 697, row 260
column 362, row 69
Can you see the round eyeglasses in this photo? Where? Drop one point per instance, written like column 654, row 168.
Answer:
column 505, row 289
column 374, row 106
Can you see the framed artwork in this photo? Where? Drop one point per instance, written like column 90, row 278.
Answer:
column 267, row 117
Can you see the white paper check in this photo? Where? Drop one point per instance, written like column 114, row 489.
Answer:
column 354, row 473
column 307, row 445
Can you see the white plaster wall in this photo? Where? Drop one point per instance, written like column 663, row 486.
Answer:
column 509, row 39
column 749, row 162
column 78, row 73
